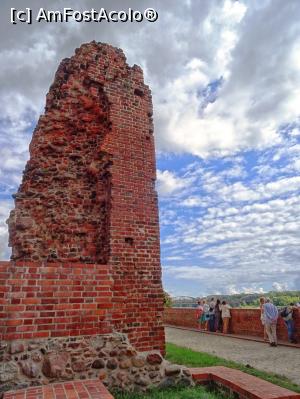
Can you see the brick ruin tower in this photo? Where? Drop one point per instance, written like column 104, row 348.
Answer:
column 82, row 292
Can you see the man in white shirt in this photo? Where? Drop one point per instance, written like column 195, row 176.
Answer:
column 212, row 303
column 271, row 316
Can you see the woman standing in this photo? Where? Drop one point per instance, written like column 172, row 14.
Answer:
column 262, row 301
column 225, row 312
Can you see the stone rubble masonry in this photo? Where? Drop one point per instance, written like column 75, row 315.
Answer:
column 109, row 358
column 85, row 232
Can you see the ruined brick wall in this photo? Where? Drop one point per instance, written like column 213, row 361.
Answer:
column 63, row 203
column 88, row 193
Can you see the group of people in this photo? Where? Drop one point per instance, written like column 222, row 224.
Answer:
column 213, row 315
column 269, row 316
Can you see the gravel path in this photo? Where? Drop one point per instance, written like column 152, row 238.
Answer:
column 280, row 360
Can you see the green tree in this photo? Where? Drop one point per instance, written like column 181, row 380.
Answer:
column 167, row 300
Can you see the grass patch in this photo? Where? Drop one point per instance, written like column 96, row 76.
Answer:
column 172, row 393
column 188, row 357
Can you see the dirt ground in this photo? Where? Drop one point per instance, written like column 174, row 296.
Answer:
column 280, row 360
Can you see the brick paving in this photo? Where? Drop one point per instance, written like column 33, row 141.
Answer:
column 244, row 384
column 83, row 389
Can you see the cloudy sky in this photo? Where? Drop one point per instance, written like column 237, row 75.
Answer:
column 225, row 78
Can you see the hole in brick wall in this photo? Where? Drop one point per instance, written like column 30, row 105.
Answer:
column 129, row 240
column 139, row 92
column 148, row 138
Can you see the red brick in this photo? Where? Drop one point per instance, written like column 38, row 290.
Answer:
column 30, row 301
column 14, row 322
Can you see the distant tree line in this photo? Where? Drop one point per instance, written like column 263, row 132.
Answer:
column 282, row 298
column 279, row 298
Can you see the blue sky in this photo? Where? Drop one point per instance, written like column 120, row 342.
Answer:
column 225, row 78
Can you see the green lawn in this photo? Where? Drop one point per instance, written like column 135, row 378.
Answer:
column 188, row 357
column 172, row 393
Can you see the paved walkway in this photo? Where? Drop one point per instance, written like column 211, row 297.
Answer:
column 244, row 337
column 280, row 360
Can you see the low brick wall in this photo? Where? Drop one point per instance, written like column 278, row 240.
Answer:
column 243, row 321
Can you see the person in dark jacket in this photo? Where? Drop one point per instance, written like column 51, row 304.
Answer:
column 211, row 312
column 218, row 318
column 287, row 315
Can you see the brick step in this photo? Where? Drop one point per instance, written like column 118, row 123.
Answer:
column 247, row 386
column 81, row 389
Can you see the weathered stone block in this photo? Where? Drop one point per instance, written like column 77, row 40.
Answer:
column 79, row 366
column 98, row 364
column 138, row 361
column 30, row 369
column 172, row 370
column 154, row 358
column 142, row 381
column 112, row 364
column 125, row 364
column 102, row 375
column 8, row 371
column 17, row 347
column 54, row 364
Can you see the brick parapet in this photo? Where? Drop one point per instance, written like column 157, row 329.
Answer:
column 243, row 321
